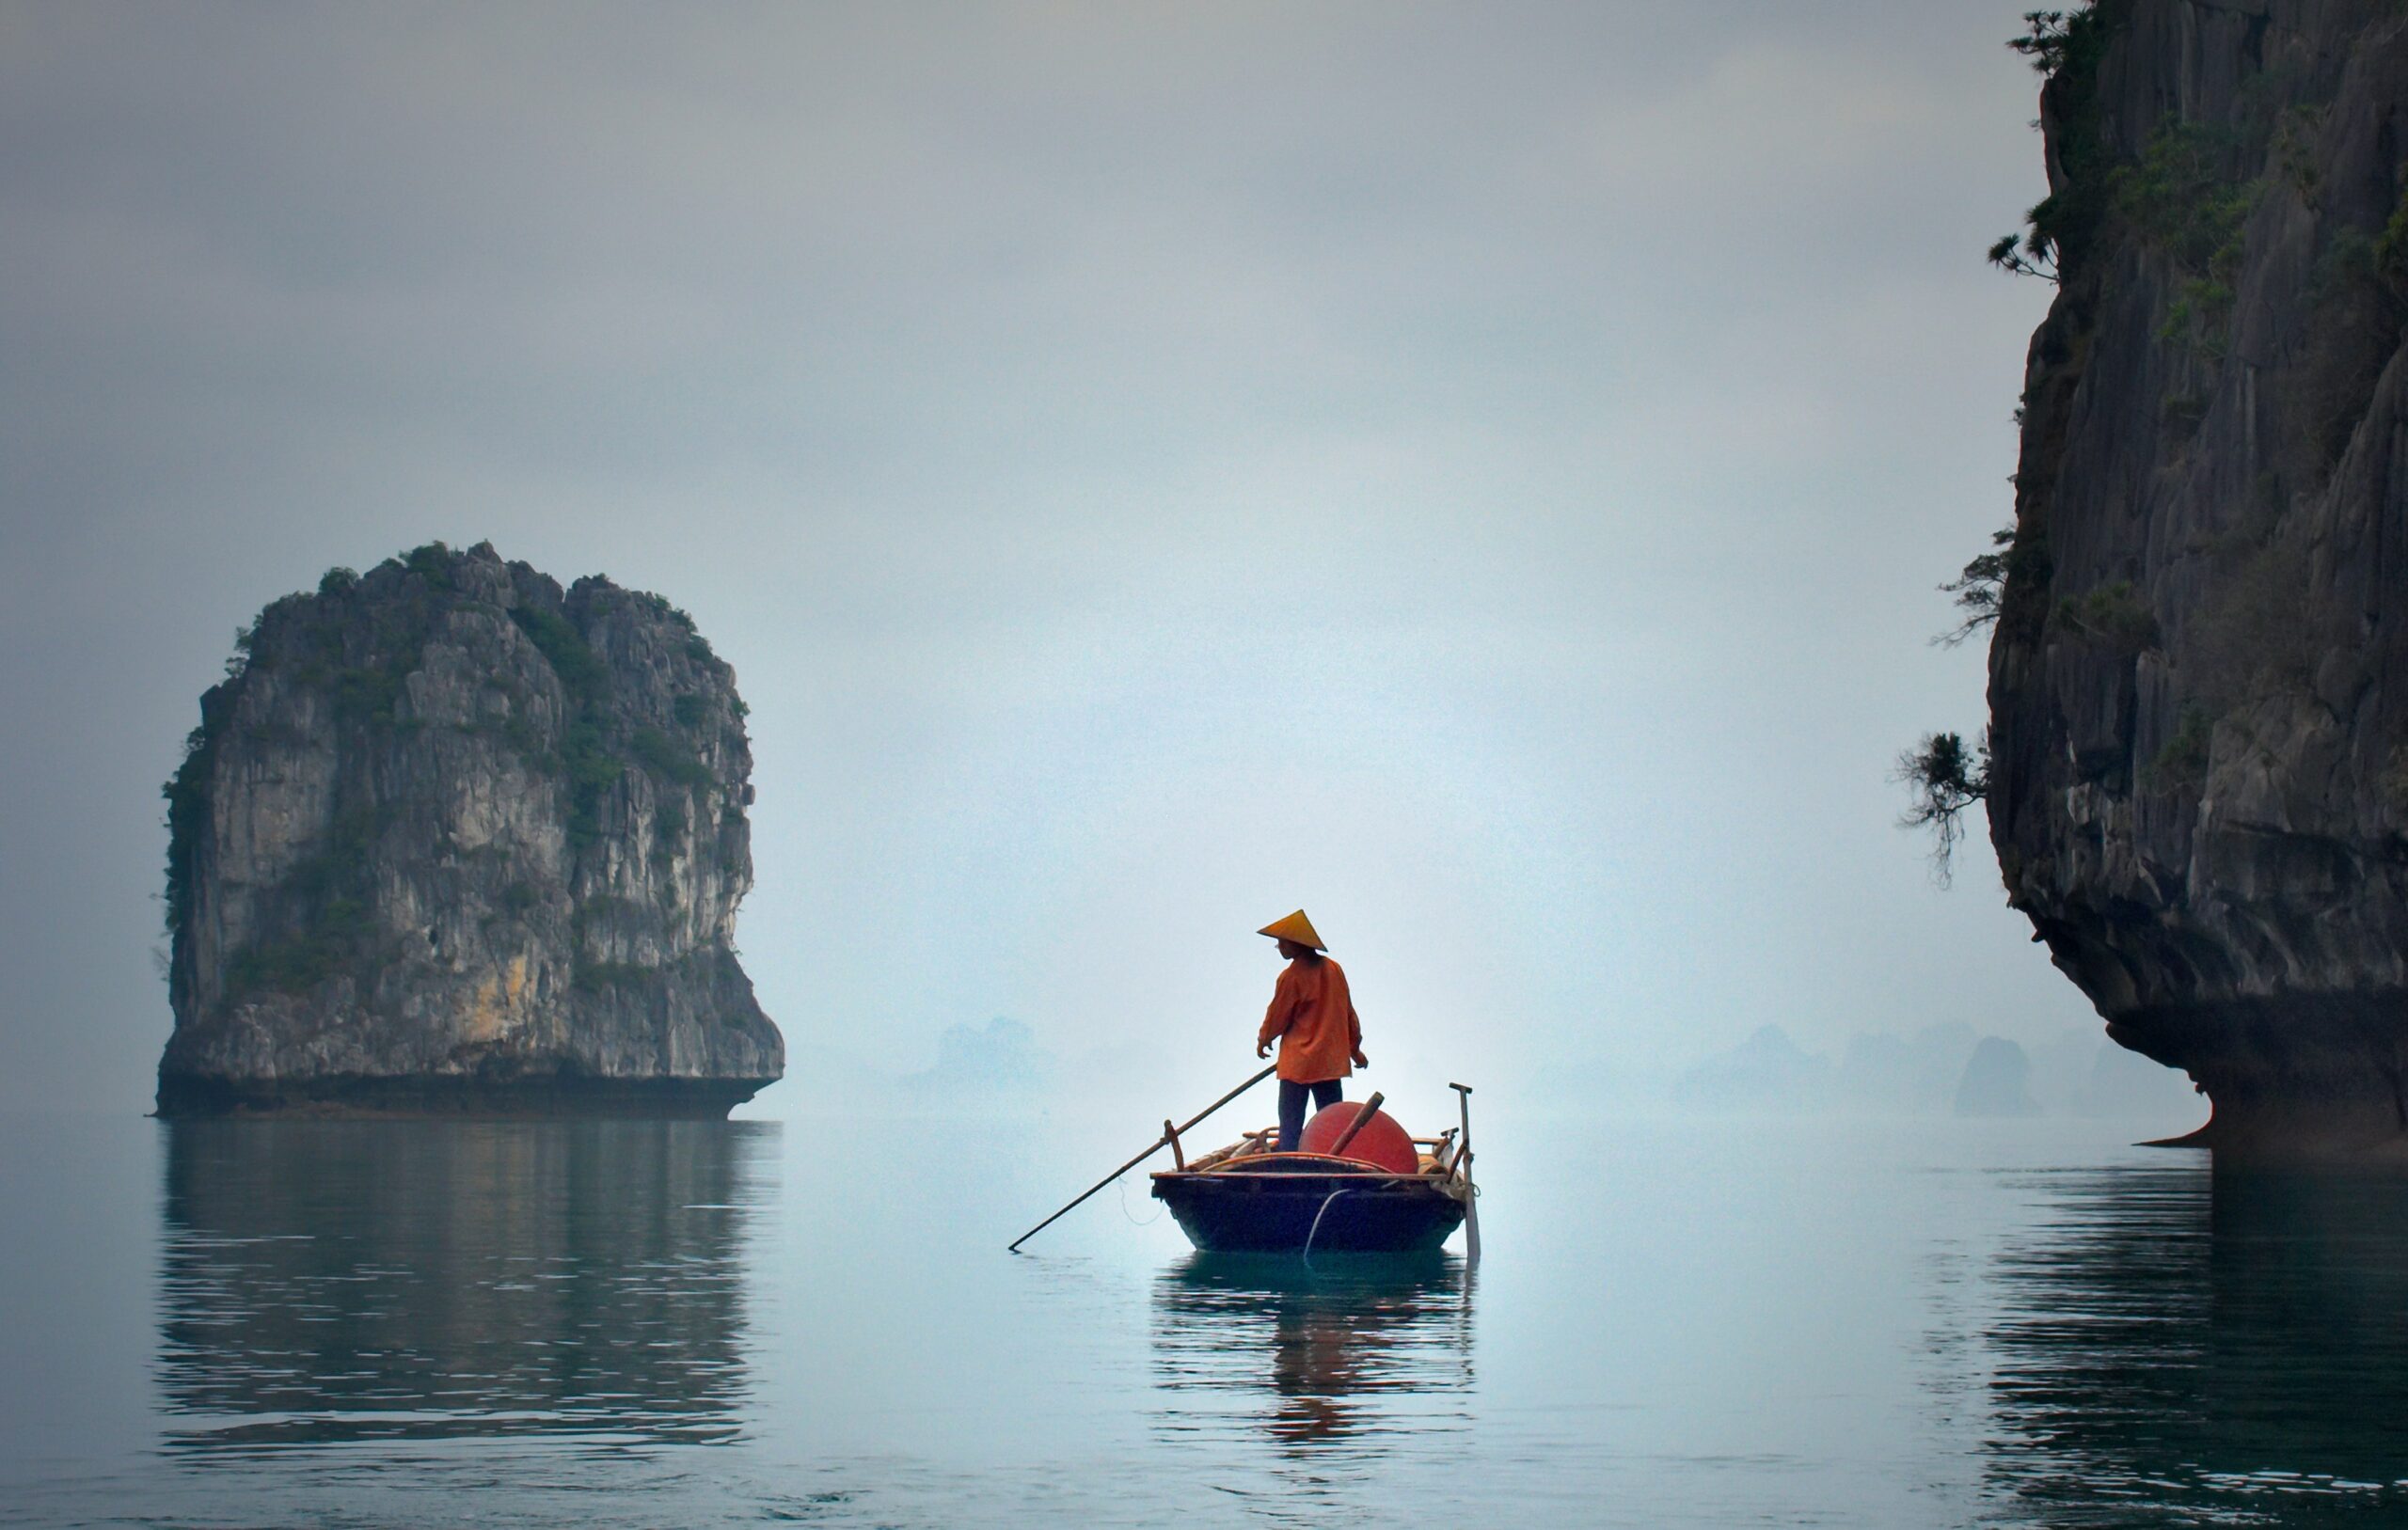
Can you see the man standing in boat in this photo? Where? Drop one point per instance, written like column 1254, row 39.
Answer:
column 1312, row 1016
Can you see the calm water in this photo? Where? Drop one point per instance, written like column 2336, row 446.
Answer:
column 813, row 1322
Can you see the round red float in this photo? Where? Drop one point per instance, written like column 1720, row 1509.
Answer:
column 1381, row 1142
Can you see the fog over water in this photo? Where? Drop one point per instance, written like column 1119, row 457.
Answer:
column 1479, row 474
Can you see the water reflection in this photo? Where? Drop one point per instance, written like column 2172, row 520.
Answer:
column 1313, row 1358
column 2181, row 1348
column 331, row 1280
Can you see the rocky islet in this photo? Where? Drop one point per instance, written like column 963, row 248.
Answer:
column 452, row 839
column 2198, row 787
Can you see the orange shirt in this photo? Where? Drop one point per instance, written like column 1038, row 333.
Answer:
column 1314, row 1015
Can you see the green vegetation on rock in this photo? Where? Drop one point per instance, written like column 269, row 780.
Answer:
column 2182, row 200
column 2113, row 614
column 581, row 674
column 666, row 758
column 2066, row 47
column 597, row 977
column 188, row 795
column 1980, row 587
column 1943, row 779
column 330, row 888
column 2182, row 763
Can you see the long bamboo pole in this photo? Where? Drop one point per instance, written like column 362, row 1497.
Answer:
column 1158, row 1145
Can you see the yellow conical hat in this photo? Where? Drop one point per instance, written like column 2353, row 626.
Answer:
column 1294, row 927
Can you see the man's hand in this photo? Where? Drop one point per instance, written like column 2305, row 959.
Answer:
column 1262, row 1049
column 1361, row 1061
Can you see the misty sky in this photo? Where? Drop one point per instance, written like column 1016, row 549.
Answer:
column 1477, row 472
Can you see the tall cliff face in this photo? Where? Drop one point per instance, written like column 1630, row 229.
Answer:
column 2199, row 677
column 448, row 839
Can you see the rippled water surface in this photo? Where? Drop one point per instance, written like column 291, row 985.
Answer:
column 813, row 1322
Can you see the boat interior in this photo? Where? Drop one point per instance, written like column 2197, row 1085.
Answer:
column 1255, row 1153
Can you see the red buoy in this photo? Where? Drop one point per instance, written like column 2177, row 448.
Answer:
column 1381, row 1142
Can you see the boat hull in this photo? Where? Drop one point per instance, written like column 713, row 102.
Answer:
column 1280, row 1210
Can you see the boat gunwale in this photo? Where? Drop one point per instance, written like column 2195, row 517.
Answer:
column 1435, row 1181
column 1249, row 1150
column 1442, row 1179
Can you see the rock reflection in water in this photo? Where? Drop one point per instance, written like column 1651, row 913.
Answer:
column 2182, row 1348
column 1312, row 1358
column 330, row 1281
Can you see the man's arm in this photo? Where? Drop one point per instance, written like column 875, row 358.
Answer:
column 1355, row 1036
column 1281, row 1014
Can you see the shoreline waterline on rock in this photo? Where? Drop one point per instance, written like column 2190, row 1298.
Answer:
column 530, row 1097
column 451, row 840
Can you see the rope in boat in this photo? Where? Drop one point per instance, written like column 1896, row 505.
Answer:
column 1316, row 1228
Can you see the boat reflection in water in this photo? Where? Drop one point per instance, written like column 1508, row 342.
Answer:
column 1354, row 1348
column 2187, row 1348
column 336, row 1281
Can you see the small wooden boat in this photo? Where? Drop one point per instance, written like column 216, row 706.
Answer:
column 1394, row 1194
column 1246, row 1198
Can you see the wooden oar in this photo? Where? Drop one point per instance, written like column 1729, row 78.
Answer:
column 1462, row 1162
column 1159, row 1144
column 1362, row 1118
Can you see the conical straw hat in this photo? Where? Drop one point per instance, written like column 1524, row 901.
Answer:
column 1294, row 927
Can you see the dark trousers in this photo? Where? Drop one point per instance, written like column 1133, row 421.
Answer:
column 1291, row 1107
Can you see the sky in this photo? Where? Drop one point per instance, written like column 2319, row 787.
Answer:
column 1480, row 474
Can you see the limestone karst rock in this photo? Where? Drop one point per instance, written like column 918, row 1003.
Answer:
column 2199, row 674
column 1997, row 1081
column 448, row 839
